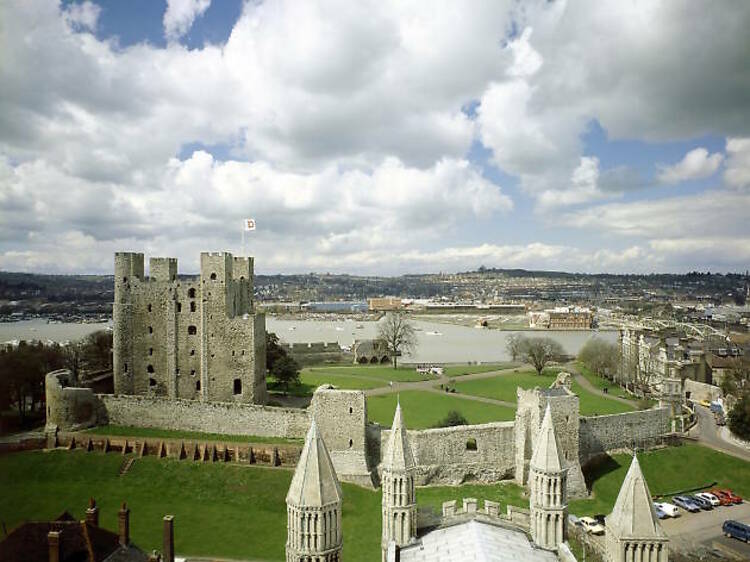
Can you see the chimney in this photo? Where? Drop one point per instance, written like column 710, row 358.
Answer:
column 168, row 545
column 53, row 539
column 123, row 518
column 92, row 513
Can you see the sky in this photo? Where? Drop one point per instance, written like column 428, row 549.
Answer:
column 376, row 137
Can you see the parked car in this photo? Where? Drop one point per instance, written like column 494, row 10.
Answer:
column 704, row 403
column 724, row 499
column 736, row 530
column 702, row 502
column 709, row 497
column 670, row 509
column 659, row 513
column 734, row 498
column 591, row 526
column 720, row 419
column 686, row 503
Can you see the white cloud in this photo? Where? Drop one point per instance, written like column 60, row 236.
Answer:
column 696, row 164
column 180, row 15
column 737, row 172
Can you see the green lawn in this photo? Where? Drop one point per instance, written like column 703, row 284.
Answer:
column 425, row 409
column 190, row 435
column 220, row 510
column 314, row 378
column 667, row 471
column 503, row 387
column 460, row 370
column 600, row 382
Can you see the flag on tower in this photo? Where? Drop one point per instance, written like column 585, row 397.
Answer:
column 249, row 224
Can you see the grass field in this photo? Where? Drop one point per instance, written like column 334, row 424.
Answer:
column 189, row 435
column 667, row 471
column 222, row 510
column 503, row 387
column 426, row 409
column 601, row 383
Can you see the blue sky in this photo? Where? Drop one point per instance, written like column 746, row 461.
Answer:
column 376, row 137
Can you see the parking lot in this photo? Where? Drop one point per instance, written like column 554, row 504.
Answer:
column 693, row 530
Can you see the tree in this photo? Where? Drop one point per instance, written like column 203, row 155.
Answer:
column 451, row 419
column 739, row 417
column 397, row 331
column 601, row 357
column 285, row 371
column 274, row 351
column 513, row 345
column 541, row 351
column 97, row 350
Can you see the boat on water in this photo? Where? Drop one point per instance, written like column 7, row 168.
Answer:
column 433, row 333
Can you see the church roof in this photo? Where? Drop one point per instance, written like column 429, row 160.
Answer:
column 398, row 453
column 546, row 456
column 633, row 514
column 314, row 483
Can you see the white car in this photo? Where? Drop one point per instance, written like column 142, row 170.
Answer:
column 709, row 497
column 669, row 508
column 590, row 525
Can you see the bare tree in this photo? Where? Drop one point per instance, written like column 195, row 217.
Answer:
column 541, row 351
column 397, row 331
column 513, row 345
column 603, row 358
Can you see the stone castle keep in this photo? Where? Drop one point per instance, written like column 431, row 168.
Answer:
column 199, row 339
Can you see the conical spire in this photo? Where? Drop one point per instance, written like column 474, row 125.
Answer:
column 398, row 454
column 315, row 483
column 546, row 457
column 633, row 514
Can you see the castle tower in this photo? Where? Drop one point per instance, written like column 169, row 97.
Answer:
column 547, row 486
column 633, row 530
column 399, row 501
column 313, row 505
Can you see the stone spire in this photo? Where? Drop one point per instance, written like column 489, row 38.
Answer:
column 314, row 505
column 399, row 500
column 546, row 456
column 547, row 486
column 633, row 530
column 398, row 454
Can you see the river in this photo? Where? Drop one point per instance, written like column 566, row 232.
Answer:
column 436, row 342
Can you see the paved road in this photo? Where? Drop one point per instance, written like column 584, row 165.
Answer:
column 707, row 434
column 691, row 531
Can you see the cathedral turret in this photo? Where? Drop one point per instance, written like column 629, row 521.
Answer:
column 548, row 498
column 633, row 530
column 313, row 505
column 399, row 501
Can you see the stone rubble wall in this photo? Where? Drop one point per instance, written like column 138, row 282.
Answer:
column 616, row 432
column 442, row 455
column 207, row 417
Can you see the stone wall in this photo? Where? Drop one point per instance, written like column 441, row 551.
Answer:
column 616, row 432
column 70, row 408
column 207, row 417
column 447, row 455
column 702, row 391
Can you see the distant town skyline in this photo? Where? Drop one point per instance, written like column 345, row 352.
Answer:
column 376, row 137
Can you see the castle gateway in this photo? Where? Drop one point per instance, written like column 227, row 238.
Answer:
column 195, row 338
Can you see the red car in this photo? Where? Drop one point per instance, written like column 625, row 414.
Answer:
column 734, row 498
column 723, row 497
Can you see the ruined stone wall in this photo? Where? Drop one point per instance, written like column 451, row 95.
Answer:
column 207, row 417
column 196, row 339
column 616, row 432
column 565, row 417
column 70, row 408
column 452, row 455
column 701, row 391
